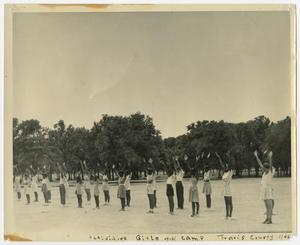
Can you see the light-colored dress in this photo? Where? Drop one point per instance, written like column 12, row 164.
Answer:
column 150, row 184
column 227, row 177
column 121, row 189
column 206, row 186
column 127, row 182
column 267, row 190
column 44, row 185
column 78, row 190
column 18, row 183
column 96, row 189
column 27, row 187
column 86, row 183
column 193, row 192
column 34, row 184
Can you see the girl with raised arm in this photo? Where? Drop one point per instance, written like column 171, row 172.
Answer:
column 150, row 189
column 62, row 189
column 96, row 191
column 227, row 177
column 127, row 186
column 45, row 188
column 27, row 187
column 105, row 189
column 194, row 193
column 170, row 190
column 206, row 179
column 179, row 186
column 78, row 191
column 121, row 189
column 266, row 185
column 18, row 186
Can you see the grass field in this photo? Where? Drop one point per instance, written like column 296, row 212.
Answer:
column 54, row 222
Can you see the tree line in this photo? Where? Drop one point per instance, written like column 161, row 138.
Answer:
column 118, row 142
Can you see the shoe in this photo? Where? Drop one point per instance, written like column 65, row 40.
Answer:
column 192, row 215
column 265, row 221
column 269, row 222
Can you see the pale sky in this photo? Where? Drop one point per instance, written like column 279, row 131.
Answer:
column 176, row 67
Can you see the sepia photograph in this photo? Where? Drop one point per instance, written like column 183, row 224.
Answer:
column 149, row 123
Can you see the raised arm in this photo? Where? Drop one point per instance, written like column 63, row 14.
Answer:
column 220, row 160
column 257, row 159
column 270, row 156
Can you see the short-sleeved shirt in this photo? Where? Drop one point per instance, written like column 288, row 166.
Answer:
column 171, row 179
column 179, row 175
column 96, row 189
column 127, row 182
column 87, row 184
column 206, row 176
column 78, row 189
column 227, row 177
column 150, row 186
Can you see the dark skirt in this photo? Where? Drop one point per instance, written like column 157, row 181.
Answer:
column 62, row 192
column 170, row 190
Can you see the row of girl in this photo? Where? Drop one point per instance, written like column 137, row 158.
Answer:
column 174, row 178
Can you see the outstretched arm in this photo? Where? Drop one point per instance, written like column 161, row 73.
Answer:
column 270, row 156
column 258, row 160
column 220, row 160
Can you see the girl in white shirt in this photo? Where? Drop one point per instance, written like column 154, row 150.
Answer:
column 266, row 185
column 170, row 190
column 179, row 187
column 87, row 188
column 27, row 188
column 34, row 186
column 62, row 189
column 150, row 189
column 127, row 186
column 18, row 186
column 227, row 177
column 45, row 188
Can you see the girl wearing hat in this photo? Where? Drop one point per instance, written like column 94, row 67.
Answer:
column 266, row 185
